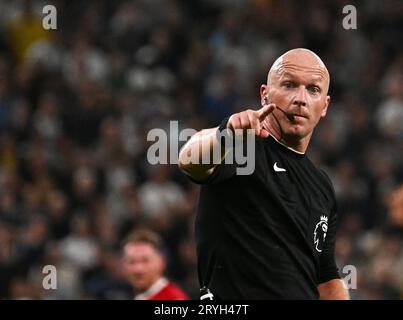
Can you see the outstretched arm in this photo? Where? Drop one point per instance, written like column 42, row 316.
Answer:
column 204, row 144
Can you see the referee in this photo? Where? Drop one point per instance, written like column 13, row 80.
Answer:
column 270, row 234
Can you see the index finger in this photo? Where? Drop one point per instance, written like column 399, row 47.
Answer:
column 265, row 111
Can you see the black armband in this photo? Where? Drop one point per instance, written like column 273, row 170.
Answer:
column 223, row 124
column 223, row 132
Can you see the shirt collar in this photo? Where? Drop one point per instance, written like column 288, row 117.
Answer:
column 289, row 148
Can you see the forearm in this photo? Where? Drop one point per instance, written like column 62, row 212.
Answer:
column 201, row 154
column 204, row 151
column 333, row 290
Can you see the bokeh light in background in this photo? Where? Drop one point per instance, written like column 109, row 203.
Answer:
column 76, row 105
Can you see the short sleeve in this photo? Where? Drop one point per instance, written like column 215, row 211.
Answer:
column 328, row 267
column 220, row 173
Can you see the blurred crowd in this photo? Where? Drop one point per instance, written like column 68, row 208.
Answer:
column 76, row 104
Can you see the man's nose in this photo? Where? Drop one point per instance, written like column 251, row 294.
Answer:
column 300, row 98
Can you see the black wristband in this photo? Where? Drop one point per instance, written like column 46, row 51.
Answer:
column 223, row 132
column 223, row 124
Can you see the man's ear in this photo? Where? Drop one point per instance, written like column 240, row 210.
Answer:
column 264, row 90
column 324, row 111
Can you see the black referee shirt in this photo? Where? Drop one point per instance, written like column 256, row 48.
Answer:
column 268, row 235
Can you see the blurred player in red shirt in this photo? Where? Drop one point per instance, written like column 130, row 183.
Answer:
column 144, row 265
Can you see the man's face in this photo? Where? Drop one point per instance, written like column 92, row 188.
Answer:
column 297, row 83
column 143, row 265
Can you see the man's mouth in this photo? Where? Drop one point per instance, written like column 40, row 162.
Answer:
column 295, row 115
column 292, row 116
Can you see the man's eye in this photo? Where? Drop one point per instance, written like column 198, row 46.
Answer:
column 288, row 85
column 314, row 89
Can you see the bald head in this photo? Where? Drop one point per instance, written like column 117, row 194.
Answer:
column 300, row 60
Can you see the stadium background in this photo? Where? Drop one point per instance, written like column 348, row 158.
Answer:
column 76, row 104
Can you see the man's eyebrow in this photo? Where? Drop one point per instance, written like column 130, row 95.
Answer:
column 315, row 79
